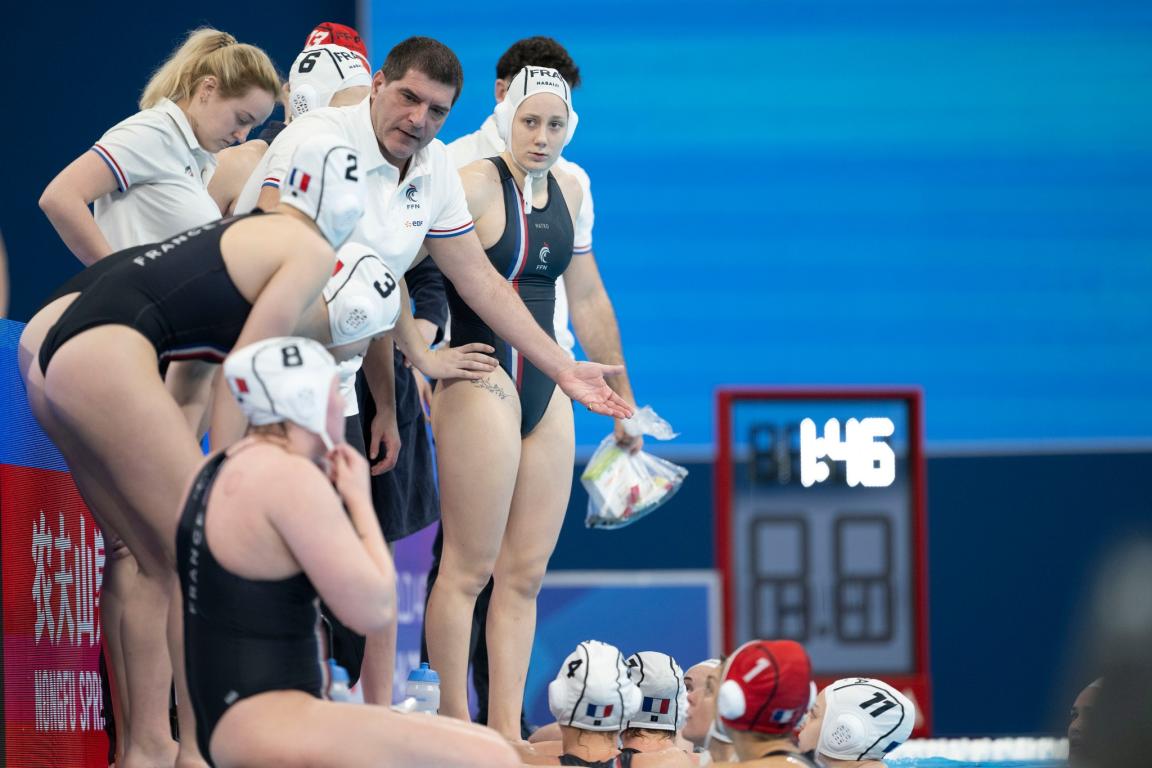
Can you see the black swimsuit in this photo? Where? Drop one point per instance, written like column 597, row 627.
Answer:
column 534, row 250
column 241, row 636
column 622, row 760
column 177, row 293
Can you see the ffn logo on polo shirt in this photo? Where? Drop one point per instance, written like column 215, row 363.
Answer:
column 410, row 193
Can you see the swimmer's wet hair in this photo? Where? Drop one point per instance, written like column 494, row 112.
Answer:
column 429, row 57
column 540, row 52
column 652, row 733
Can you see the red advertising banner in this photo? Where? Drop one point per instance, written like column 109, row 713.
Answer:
column 53, row 565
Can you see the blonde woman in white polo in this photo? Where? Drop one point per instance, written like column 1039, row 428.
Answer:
column 148, row 175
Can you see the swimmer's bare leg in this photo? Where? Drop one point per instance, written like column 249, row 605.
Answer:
column 543, row 484
column 325, row 734
column 136, row 655
column 190, row 384
column 477, row 431
column 378, row 667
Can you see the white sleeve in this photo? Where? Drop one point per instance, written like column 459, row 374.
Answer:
column 463, row 151
column 135, row 151
column 278, row 159
column 586, row 216
column 250, row 193
column 452, row 217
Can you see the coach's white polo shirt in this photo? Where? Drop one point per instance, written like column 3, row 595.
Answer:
column 399, row 213
column 161, row 175
column 486, row 142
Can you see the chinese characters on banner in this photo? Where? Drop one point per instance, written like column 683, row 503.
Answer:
column 53, row 565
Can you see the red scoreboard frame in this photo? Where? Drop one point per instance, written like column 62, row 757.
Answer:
column 917, row 683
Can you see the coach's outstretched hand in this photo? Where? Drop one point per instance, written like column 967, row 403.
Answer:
column 584, row 382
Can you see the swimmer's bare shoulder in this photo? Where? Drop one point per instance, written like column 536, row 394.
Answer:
column 278, row 483
column 539, row 753
column 481, row 182
column 573, row 192
column 781, row 761
column 671, row 757
column 233, row 167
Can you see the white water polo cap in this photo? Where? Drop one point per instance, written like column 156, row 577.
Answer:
column 593, row 690
column 664, row 697
column 322, row 71
column 323, row 181
column 528, row 82
column 287, row 378
column 362, row 295
column 864, row 719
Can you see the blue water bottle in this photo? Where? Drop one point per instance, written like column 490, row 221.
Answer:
column 424, row 686
column 339, row 689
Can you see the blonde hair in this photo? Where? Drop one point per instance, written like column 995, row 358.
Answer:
column 237, row 67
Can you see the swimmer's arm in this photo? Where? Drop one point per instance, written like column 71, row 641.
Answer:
column 190, row 382
column 468, row 361
column 276, row 311
column 233, row 167
column 531, row 754
column 65, row 202
column 344, row 555
column 269, row 199
column 380, row 375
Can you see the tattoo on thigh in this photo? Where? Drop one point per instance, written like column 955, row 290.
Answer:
column 492, row 387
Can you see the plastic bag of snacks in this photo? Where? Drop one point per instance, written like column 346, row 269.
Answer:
column 624, row 487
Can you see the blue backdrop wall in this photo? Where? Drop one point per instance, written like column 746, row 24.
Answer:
column 956, row 195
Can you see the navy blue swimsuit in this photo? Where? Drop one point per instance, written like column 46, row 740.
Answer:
column 534, row 250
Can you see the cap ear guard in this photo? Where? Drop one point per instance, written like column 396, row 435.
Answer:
column 303, row 98
column 362, row 296
column 633, row 698
column 343, row 212
column 844, row 734
column 323, row 183
column 730, row 701
column 558, row 703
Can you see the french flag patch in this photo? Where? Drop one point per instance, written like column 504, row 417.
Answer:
column 656, row 706
column 299, row 179
column 596, row 713
column 241, row 386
